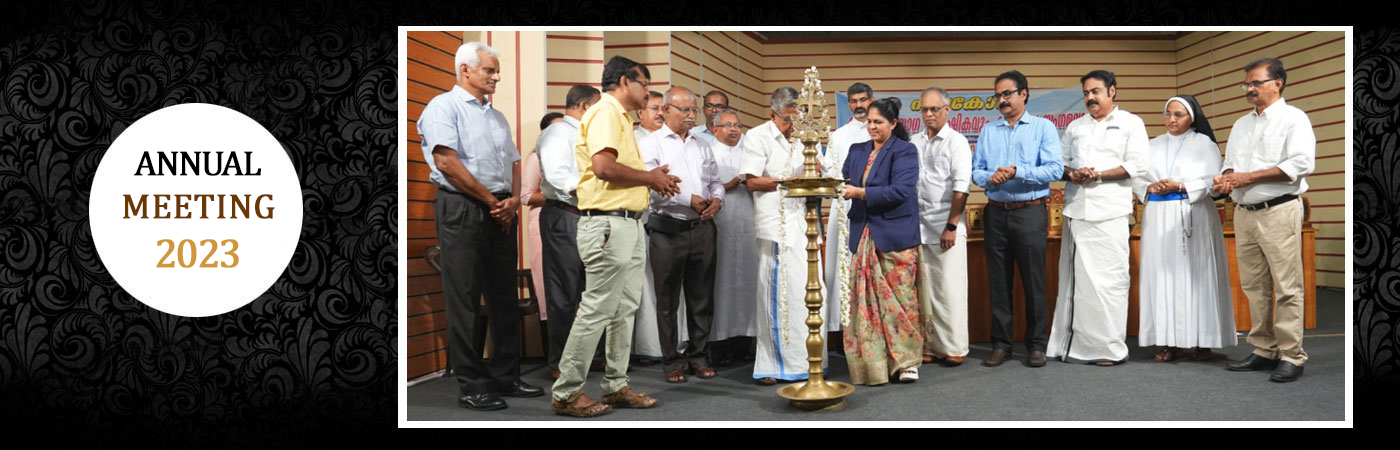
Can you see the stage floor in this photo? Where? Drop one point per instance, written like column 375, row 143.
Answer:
column 1141, row 389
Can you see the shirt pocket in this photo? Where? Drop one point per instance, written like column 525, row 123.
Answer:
column 1115, row 141
column 1270, row 152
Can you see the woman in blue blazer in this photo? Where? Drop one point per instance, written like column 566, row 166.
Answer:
column 882, row 318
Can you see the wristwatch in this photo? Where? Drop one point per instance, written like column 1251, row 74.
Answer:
column 951, row 227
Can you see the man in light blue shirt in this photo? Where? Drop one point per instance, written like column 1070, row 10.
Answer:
column 1015, row 161
column 467, row 145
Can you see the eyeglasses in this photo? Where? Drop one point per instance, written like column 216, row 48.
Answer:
column 858, row 100
column 1007, row 93
column 690, row 110
column 643, row 83
column 734, row 125
column 715, row 105
column 1177, row 116
column 933, row 109
column 654, row 108
column 1255, row 84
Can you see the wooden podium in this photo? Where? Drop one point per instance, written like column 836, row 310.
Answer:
column 979, row 309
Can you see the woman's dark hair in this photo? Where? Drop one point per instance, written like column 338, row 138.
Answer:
column 1198, row 120
column 889, row 109
column 549, row 118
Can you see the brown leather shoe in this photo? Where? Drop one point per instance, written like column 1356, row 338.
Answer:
column 952, row 361
column 928, row 359
column 1036, row 359
column 626, row 398
column 998, row 356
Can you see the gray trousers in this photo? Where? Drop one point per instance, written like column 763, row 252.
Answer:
column 684, row 260
column 478, row 259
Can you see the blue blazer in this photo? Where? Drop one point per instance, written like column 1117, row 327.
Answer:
column 891, row 205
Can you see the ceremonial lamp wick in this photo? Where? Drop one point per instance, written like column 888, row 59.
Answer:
column 812, row 126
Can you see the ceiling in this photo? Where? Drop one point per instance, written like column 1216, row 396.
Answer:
column 878, row 35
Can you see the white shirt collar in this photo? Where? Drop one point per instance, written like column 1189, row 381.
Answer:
column 1256, row 114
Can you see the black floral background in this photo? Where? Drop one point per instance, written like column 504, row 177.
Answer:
column 314, row 358
column 318, row 349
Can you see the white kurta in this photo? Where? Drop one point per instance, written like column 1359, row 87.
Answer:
column 838, row 145
column 1184, row 283
column 736, row 258
column 782, row 262
column 1091, row 311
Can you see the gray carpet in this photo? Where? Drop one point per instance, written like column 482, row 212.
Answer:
column 1141, row 389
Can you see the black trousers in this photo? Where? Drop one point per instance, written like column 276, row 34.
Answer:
column 478, row 259
column 1016, row 237
column 563, row 277
column 684, row 259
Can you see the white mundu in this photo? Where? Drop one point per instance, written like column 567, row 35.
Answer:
column 838, row 144
column 1091, row 312
column 945, row 166
column 781, row 227
column 736, row 258
column 1184, row 278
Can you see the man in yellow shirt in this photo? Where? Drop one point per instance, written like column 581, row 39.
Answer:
column 612, row 192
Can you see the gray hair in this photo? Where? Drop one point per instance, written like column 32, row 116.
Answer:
column 466, row 54
column 679, row 92
column 941, row 93
column 714, row 121
column 783, row 98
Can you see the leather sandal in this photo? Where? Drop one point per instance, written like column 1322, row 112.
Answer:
column 705, row 372
column 1168, row 354
column 626, row 398
column 767, row 381
column 675, row 376
column 1202, row 354
column 579, row 405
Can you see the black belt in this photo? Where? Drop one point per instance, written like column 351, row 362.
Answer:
column 498, row 195
column 634, row 215
column 1275, row 202
column 1016, row 205
column 682, row 224
column 562, row 205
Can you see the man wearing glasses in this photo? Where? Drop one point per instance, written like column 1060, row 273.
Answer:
column 682, row 236
column 1271, row 149
column 1016, row 159
column 945, row 173
column 1103, row 151
column 612, row 192
column 736, row 259
column 769, row 156
column 649, row 116
column 715, row 101
column 858, row 99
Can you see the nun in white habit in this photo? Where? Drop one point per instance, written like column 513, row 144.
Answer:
column 1184, row 284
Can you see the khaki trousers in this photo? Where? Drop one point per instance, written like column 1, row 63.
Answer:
column 614, row 251
column 1268, row 248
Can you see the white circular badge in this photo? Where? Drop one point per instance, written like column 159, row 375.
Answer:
column 195, row 210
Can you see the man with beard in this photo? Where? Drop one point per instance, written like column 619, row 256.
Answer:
column 1103, row 151
column 1016, row 159
column 858, row 99
column 682, row 236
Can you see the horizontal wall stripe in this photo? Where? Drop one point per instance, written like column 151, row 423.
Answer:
column 578, row 38
column 649, row 44
column 1248, row 37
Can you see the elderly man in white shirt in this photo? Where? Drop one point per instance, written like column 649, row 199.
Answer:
column 649, row 117
column 563, row 270
column 945, row 177
column 681, row 230
column 771, row 155
column 1271, row 149
column 1103, row 151
column 858, row 99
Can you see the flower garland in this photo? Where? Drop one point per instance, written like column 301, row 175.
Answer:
column 782, row 244
column 843, row 260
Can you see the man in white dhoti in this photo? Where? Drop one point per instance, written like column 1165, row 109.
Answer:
column 858, row 99
column 769, row 156
column 1103, row 151
column 736, row 269
column 945, row 176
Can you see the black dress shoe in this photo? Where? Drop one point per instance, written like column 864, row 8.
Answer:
column 1286, row 372
column 522, row 389
column 481, row 402
column 1036, row 358
column 1252, row 362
